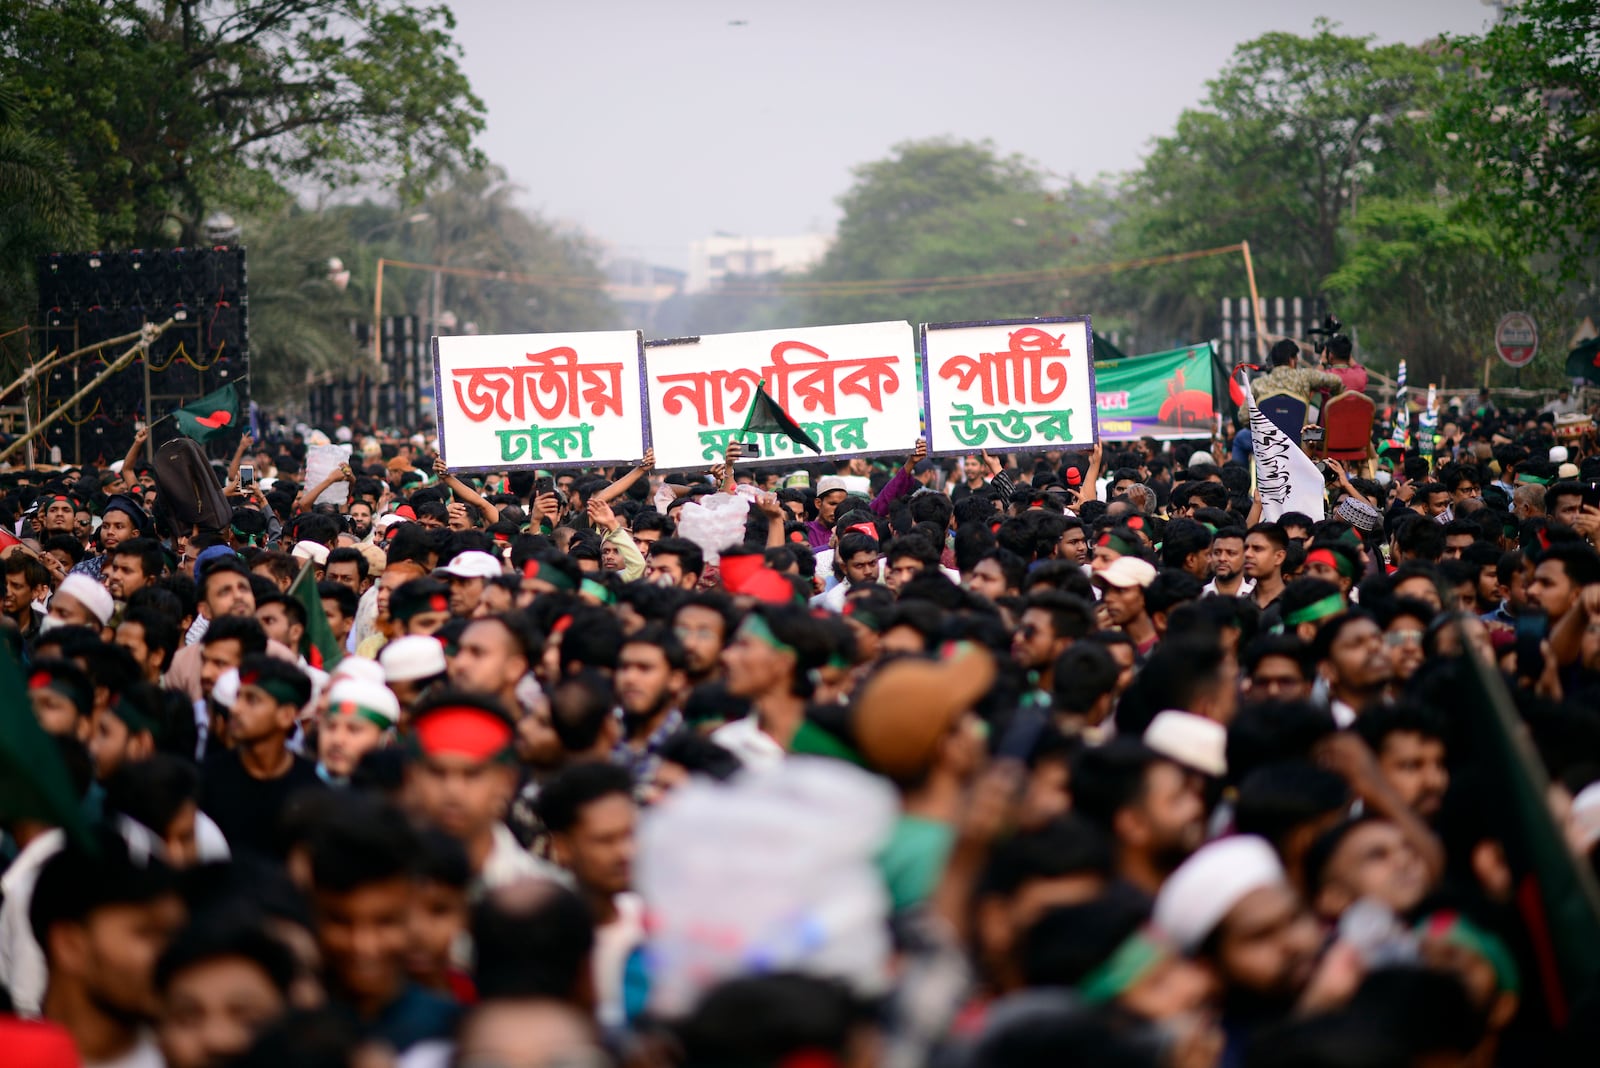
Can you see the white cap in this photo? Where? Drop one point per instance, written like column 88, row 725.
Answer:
column 416, row 656
column 828, row 483
column 1567, row 472
column 314, row 551
column 353, row 696
column 1205, row 888
column 1193, row 741
column 89, row 593
column 474, row 563
column 226, row 690
column 1127, row 571
column 343, row 433
column 358, row 667
column 384, row 522
column 1558, row 454
column 1200, row 459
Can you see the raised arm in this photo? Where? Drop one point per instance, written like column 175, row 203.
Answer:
column 622, row 485
column 466, row 493
column 129, row 478
column 307, row 498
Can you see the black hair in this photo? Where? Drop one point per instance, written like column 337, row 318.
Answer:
column 1273, row 532
column 580, row 708
column 690, row 559
column 1170, row 589
column 1283, row 351
column 770, row 1019
column 1267, row 732
column 85, row 877
column 1329, row 631
column 699, row 755
column 1070, row 617
column 1380, row 721
column 152, row 791
column 362, row 841
column 913, row 547
column 160, row 630
column 442, row 859
column 531, row 939
column 562, row 801
column 1067, row 942
column 339, row 594
column 231, row 935
column 662, row 637
column 593, row 639
column 242, row 629
column 1067, row 845
column 1581, row 564
column 1284, row 645
column 1084, row 674
column 1108, row 778
column 347, row 555
column 1277, row 798
column 1180, row 539
column 148, row 552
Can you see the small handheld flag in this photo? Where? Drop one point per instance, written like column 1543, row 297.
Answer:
column 318, row 645
column 210, row 416
column 766, row 416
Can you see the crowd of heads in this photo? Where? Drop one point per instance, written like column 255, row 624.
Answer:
column 980, row 761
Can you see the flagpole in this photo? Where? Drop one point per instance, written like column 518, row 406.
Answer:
column 148, row 333
column 750, row 412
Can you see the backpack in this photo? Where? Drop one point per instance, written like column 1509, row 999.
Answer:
column 188, row 487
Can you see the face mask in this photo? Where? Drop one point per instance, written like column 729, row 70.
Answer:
column 1384, row 478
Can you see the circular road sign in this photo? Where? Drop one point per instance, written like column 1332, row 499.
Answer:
column 1516, row 338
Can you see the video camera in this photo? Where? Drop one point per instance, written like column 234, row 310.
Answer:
column 1324, row 334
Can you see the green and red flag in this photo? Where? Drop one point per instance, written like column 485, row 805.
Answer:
column 34, row 781
column 1556, row 896
column 318, row 645
column 211, row 416
column 766, row 416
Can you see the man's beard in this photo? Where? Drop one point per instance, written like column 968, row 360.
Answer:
column 635, row 721
column 361, row 530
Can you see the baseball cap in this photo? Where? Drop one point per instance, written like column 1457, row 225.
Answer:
column 1126, row 571
column 474, row 563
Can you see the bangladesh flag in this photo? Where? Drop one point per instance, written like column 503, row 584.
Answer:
column 1556, row 897
column 1584, row 361
column 34, row 781
column 210, row 416
column 766, row 416
column 318, row 645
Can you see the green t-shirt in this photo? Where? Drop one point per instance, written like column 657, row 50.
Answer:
column 914, row 859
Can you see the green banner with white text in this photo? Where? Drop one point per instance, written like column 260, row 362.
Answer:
column 1163, row 395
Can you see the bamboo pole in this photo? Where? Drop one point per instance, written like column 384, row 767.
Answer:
column 1255, row 304
column 147, row 334
column 377, row 315
column 51, row 360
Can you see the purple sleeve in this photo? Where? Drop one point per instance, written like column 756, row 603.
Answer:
column 893, row 490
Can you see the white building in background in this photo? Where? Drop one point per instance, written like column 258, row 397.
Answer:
column 722, row 257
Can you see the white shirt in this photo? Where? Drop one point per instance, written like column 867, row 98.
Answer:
column 1246, row 588
column 613, row 944
column 755, row 748
column 509, row 863
column 22, row 966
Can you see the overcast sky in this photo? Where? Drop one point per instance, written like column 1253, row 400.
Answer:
column 653, row 122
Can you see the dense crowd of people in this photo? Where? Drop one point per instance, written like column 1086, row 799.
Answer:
column 1044, row 758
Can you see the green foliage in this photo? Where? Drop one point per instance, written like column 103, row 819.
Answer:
column 41, row 207
column 1429, row 288
column 940, row 208
column 167, row 108
column 299, row 320
column 1527, row 118
column 1292, row 133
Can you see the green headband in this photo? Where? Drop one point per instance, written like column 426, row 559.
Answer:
column 350, row 708
column 756, row 627
column 1111, row 541
column 1330, row 605
column 136, row 722
column 1535, row 479
column 281, row 690
column 598, row 591
column 1131, row 962
column 556, row 577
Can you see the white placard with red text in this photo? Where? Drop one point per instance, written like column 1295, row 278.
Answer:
column 1015, row 384
column 540, row 400
column 852, row 388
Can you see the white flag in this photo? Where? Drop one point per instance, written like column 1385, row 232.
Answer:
column 1286, row 477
